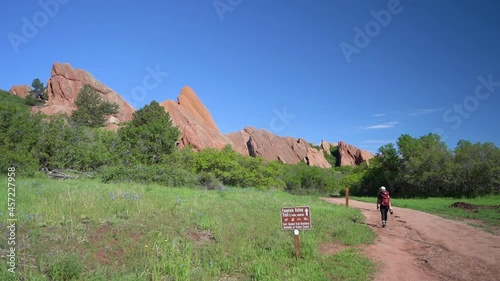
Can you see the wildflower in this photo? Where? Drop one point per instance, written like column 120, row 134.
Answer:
column 146, row 246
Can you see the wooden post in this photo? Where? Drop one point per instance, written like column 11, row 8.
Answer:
column 347, row 197
column 297, row 244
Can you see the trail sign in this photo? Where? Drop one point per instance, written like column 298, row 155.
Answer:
column 296, row 218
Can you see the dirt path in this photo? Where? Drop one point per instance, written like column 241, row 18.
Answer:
column 419, row 246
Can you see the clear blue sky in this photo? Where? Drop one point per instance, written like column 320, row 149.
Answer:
column 297, row 68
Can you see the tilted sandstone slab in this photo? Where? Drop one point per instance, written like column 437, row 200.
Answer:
column 352, row 156
column 66, row 82
column 193, row 133
column 326, row 146
column 21, row 91
column 254, row 142
column 195, row 122
column 190, row 103
column 198, row 130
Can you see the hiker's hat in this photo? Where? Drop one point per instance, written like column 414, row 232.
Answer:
column 382, row 188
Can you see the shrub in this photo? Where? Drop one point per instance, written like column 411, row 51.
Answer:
column 149, row 137
column 222, row 164
column 19, row 132
column 65, row 267
column 304, row 179
column 91, row 108
column 209, row 181
column 167, row 175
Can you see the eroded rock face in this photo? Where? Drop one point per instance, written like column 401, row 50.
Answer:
column 198, row 129
column 190, row 103
column 66, row 82
column 193, row 133
column 254, row 142
column 189, row 114
column 21, row 90
column 351, row 155
column 197, row 126
column 326, row 146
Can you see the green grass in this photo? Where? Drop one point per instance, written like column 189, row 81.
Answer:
column 87, row 230
column 486, row 217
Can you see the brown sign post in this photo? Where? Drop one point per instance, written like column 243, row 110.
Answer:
column 296, row 218
column 347, row 197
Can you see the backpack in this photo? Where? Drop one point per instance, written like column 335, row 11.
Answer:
column 384, row 196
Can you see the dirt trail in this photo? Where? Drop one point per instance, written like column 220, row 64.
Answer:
column 424, row 247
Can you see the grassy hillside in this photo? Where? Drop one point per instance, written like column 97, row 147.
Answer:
column 86, row 230
column 8, row 99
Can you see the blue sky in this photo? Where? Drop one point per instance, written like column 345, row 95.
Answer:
column 363, row 72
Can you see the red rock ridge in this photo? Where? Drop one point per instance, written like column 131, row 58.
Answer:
column 66, row 82
column 198, row 129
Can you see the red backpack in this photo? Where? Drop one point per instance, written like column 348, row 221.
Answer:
column 384, row 195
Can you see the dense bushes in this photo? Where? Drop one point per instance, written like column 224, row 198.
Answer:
column 143, row 150
column 19, row 133
column 162, row 174
column 426, row 167
column 149, row 137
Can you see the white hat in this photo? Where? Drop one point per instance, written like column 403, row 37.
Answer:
column 382, row 188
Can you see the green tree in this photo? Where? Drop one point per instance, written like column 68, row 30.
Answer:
column 389, row 171
column 38, row 95
column 477, row 169
column 19, row 132
column 91, row 109
column 426, row 165
column 62, row 146
column 149, row 137
column 222, row 164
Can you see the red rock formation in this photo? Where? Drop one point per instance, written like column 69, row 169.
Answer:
column 189, row 102
column 198, row 129
column 325, row 146
column 66, row 82
column 197, row 126
column 269, row 146
column 351, row 156
column 20, row 91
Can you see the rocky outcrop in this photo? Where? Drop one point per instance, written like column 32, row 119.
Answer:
column 20, row 91
column 195, row 122
column 66, row 82
column 326, row 146
column 199, row 130
column 269, row 146
column 350, row 155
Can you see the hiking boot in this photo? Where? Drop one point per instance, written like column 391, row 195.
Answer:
column 384, row 223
